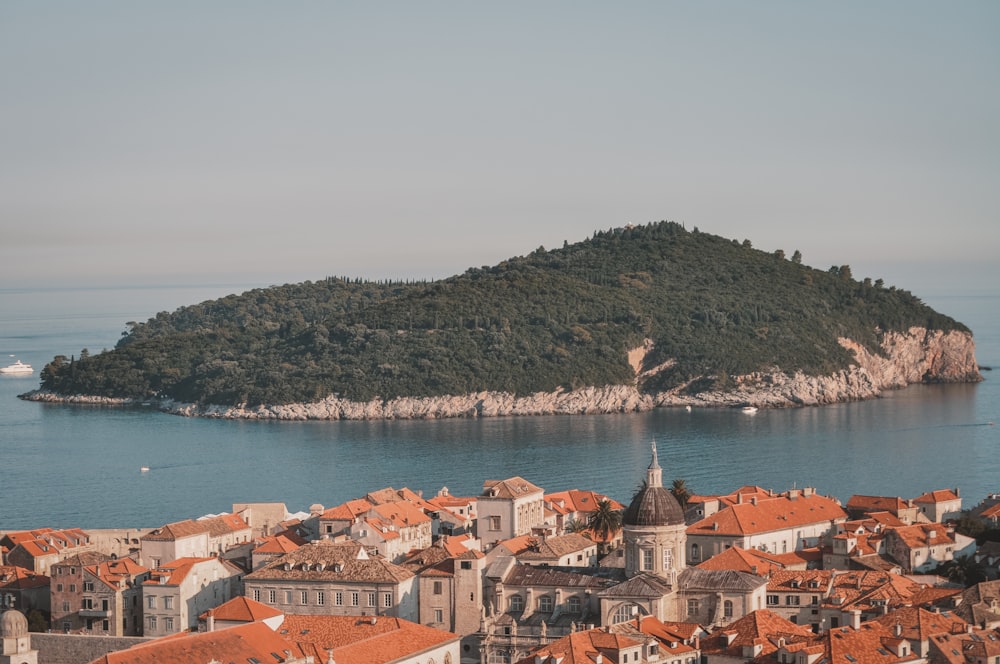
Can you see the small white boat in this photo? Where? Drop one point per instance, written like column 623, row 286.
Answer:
column 143, row 469
column 18, row 367
column 749, row 410
column 687, row 408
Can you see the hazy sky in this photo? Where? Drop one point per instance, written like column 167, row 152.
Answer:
column 160, row 142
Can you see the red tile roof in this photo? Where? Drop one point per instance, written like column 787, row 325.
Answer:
column 13, row 577
column 361, row 640
column 241, row 609
column 779, row 513
column 243, row 643
column 582, row 648
column 939, row 496
column 744, row 560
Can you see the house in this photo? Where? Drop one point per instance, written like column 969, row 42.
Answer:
column 919, row 626
column 570, row 550
column 859, row 506
column 796, row 595
column 857, row 596
column 575, row 507
column 451, row 595
column 38, row 550
column 274, row 546
column 238, row 611
column 940, row 506
column 199, row 538
column 335, row 578
column 452, row 515
column 753, row 637
column 979, row 605
column 922, row 547
column 24, row 590
column 177, row 592
column 369, row 640
column 112, row 598
column 67, row 594
column 751, row 561
column 677, row 642
column 791, row 521
column 392, row 529
column 508, row 508
column 596, row 645
column 250, row 642
column 976, row 646
column 263, row 518
column 869, row 643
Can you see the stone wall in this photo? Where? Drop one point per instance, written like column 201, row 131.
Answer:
column 78, row 648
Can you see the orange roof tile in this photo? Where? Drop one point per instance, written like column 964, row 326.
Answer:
column 359, row 639
column 778, row 513
column 939, row 496
column 744, row 560
column 241, row 609
column 582, row 647
column 243, row 643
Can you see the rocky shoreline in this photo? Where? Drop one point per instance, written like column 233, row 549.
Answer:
column 917, row 356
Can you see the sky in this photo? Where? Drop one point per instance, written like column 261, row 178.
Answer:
column 262, row 142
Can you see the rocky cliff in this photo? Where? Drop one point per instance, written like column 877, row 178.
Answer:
column 918, row 356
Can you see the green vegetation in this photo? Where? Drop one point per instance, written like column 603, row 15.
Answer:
column 563, row 318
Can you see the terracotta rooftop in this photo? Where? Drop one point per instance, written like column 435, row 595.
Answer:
column 918, row 624
column 757, row 628
column 939, row 496
column 241, row 609
column 744, row 560
column 778, row 513
column 582, row 648
column 331, row 561
column 556, row 547
column 361, row 639
column 253, row 642
column 509, row 489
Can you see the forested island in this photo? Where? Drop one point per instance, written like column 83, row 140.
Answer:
column 669, row 314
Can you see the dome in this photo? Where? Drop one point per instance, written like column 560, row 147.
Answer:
column 13, row 625
column 653, row 506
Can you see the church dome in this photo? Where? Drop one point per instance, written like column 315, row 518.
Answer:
column 653, row 505
column 13, row 625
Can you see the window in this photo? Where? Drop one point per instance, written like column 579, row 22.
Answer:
column 693, row 607
column 320, row 598
column 65, row 607
column 88, row 586
column 438, row 616
column 695, row 552
column 466, row 564
column 152, row 623
column 58, row 587
column 494, row 523
column 151, row 602
column 516, row 603
column 437, row 587
column 647, row 559
column 87, row 603
column 354, row 599
column 272, row 596
column 574, row 604
column 387, row 600
column 168, row 602
column 791, row 600
column 288, row 597
column 338, row 599
column 72, row 587
column 372, row 599
column 624, row 613
column 727, row 609
column 772, row 600
column 304, row 597
column 545, row 604
column 105, row 625
column 256, row 594
column 668, row 559
column 815, row 600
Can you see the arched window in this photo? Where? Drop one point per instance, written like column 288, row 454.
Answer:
column 695, row 552
column 727, row 609
column 545, row 603
column 624, row 613
column 516, row 603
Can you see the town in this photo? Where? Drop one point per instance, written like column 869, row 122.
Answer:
column 516, row 574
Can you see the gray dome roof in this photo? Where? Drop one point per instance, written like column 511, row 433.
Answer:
column 13, row 625
column 653, row 506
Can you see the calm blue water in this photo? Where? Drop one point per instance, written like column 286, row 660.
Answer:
column 79, row 466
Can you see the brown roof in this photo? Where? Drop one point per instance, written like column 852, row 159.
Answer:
column 361, row 639
column 241, row 609
column 515, row 487
column 331, row 561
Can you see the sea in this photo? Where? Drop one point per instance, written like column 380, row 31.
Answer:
column 80, row 466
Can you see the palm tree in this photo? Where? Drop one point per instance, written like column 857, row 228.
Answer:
column 576, row 526
column 605, row 522
column 680, row 492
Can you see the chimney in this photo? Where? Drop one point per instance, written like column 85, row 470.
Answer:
column 210, row 625
column 897, row 630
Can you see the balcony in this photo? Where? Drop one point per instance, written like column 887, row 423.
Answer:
column 95, row 613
